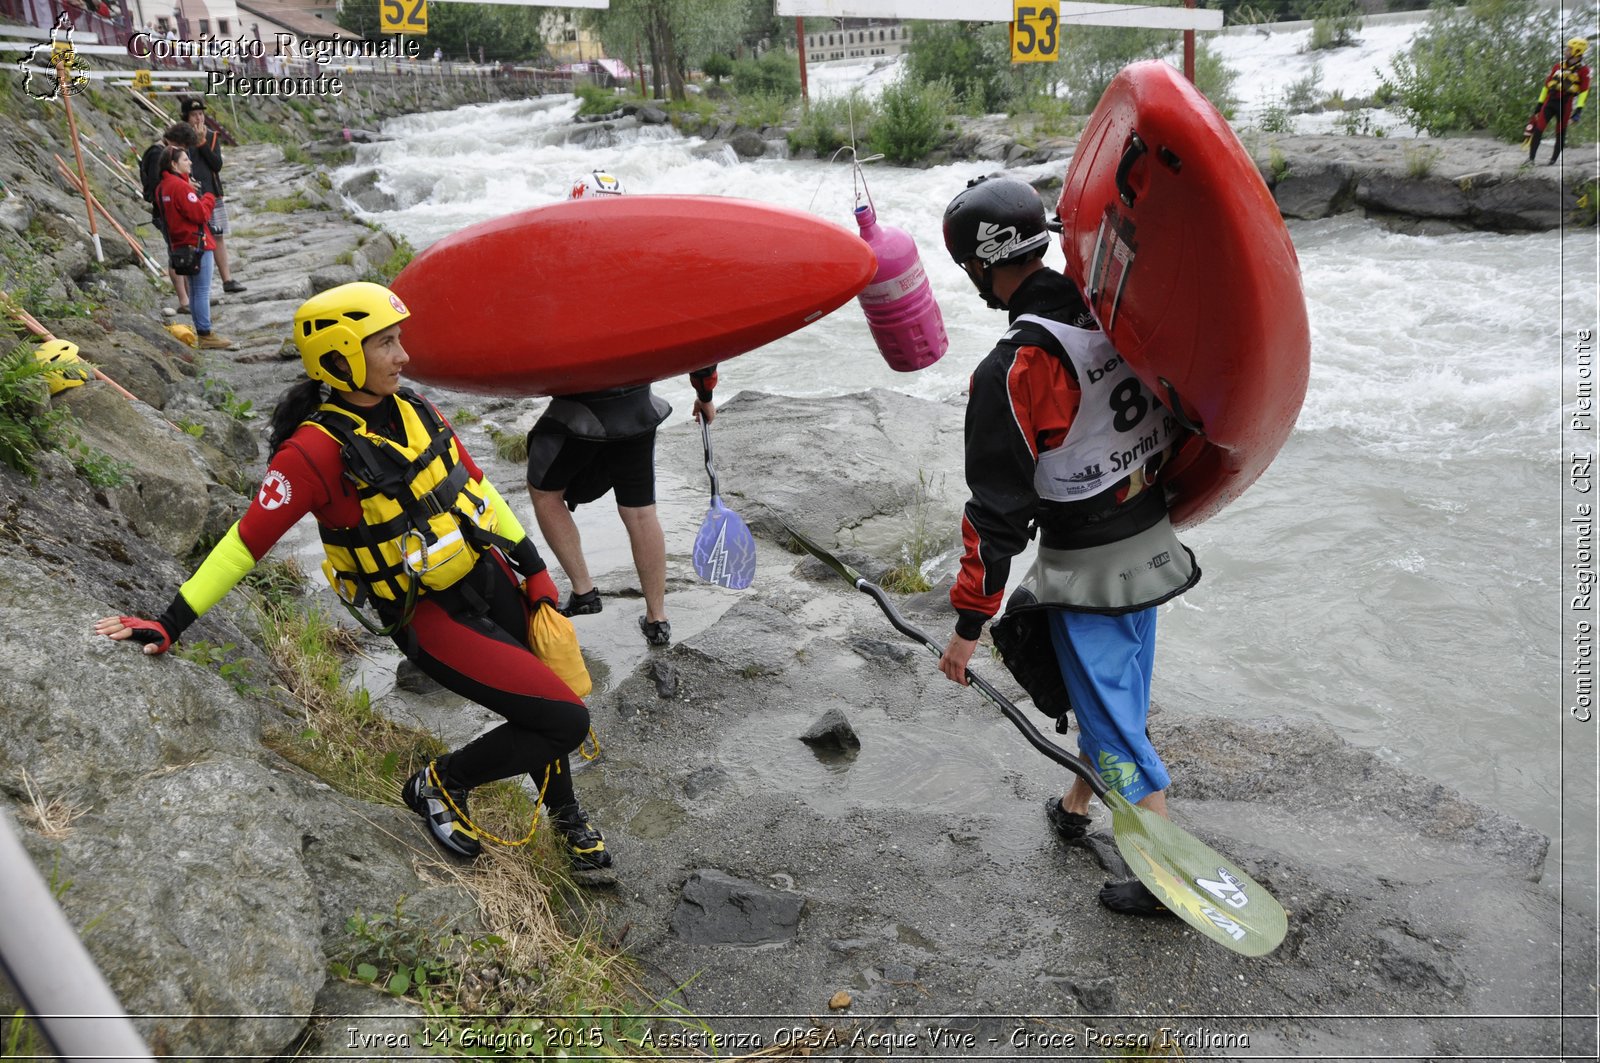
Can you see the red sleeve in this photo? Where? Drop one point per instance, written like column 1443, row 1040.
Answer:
column 1022, row 401
column 303, row 477
column 704, row 382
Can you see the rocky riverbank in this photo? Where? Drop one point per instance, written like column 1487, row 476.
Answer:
column 905, row 896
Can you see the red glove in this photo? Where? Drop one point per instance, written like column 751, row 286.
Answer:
column 539, row 587
column 147, row 633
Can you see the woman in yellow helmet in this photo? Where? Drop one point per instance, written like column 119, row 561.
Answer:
column 413, row 530
column 1562, row 97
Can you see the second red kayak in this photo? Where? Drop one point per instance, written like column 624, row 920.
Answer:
column 600, row 293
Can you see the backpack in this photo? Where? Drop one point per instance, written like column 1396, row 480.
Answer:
column 150, row 171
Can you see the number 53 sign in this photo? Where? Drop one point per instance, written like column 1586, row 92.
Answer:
column 403, row 16
column 1035, row 31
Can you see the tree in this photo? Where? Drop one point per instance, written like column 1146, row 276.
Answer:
column 973, row 58
column 1091, row 57
column 717, row 66
column 673, row 33
column 503, row 32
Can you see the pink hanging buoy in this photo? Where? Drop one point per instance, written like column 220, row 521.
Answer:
column 901, row 310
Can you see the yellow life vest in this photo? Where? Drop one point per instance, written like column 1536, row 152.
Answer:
column 424, row 519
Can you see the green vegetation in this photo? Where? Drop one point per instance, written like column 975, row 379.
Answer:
column 1089, row 60
column 1335, row 24
column 1479, row 67
column 225, row 660
column 717, row 66
column 834, row 123
column 762, row 110
column 1358, row 123
column 31, row 424
column 1214, row 78
column 23, row 274
column 554, row 965
column 222, row 396
column 674, row 36
column 973, row 61
column 1275, row 118
column 287, row 204
column 19, row 1037
column 1277, row 165
column 511, row 446
column 595, row 100
column 387, row 270
column 775, row 74
column 1301, row 95
column 911, row 119
column 920, row 548
column 464, row 31
column 1420, row 160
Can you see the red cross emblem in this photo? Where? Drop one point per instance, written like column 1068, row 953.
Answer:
column 275, row 490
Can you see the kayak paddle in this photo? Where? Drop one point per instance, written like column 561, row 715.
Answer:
column 724, row 551
column 1196, row 883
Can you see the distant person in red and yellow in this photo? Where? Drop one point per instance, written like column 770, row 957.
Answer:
column 1561, row 98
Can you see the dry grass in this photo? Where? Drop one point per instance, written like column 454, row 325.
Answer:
column 544, row 950
column 52, row 818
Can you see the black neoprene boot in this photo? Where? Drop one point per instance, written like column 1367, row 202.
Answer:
column 1131, row 898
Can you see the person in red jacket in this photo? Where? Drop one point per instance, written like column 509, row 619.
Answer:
column 362, row 454
column 1565, row 90
column 186, row 211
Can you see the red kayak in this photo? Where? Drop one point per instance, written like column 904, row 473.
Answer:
column 589, row 294
column 1174, row 238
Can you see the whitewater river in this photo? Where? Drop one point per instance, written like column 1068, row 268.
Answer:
column 1396, row 573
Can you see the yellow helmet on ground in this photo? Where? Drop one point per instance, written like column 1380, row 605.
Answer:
column 70, row 371
column 1577, row 46
column 336, row 321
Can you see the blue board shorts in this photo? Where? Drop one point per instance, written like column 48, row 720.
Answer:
column 1106, row 663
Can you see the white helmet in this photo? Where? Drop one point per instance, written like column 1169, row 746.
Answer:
column 598, row 183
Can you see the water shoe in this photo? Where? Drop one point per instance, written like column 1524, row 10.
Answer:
column 656, row 632
column 583, row 604
column 586, row 846
column 428, row 801
column 1131, row 898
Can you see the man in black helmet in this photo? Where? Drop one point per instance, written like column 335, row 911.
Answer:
column 1062, row 437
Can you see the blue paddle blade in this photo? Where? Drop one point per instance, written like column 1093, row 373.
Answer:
column 725, row 551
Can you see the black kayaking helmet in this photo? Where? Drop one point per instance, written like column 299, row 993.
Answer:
column 994, row 221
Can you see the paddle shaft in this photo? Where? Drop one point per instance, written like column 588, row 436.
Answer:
column 705, row 434
column 1170, row 862
column 1073, row 763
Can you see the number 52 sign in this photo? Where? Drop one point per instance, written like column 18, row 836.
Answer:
column 403, row 16
column 1035, row 31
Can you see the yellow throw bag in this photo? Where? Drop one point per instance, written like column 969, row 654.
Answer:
column 552, row 638
column 184, row 333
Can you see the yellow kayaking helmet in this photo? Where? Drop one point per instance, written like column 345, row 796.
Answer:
column 70, row 372
column 1576, row 47
column 335, row 322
